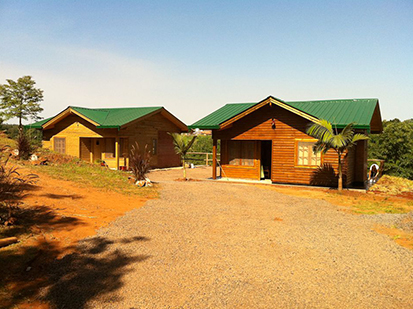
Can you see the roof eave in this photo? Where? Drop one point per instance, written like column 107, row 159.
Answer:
column 108, row 127
column 201, row 127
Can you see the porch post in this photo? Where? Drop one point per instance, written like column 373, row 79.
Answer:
column 214, row 159
column 117, row 152
column 92, row 146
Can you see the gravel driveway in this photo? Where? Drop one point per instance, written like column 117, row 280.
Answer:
column 222, row 245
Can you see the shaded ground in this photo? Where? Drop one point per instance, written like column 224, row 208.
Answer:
column 55, row 215
column 220, row 245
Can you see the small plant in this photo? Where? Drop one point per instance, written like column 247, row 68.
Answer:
column 139, row 162
column 24, row 146
column 11, row 184
column 182, row 145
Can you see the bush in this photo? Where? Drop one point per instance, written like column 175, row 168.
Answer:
column 24, row 146
column 12, row 184
column 139, row 162
column 395, row 146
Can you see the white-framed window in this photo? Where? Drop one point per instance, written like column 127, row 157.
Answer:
column 305, row 155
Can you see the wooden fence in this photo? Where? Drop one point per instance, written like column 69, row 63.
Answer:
column 200, row 158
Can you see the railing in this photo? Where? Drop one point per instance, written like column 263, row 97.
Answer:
column 197, row 157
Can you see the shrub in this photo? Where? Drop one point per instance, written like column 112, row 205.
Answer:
column 24, row 146
column 12, row 184
column 139, row 162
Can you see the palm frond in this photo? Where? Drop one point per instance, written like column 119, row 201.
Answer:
column 320, row 147
column 359, row 137
column 190, row 143
column 348, row 132
column 181, row 143
column 322, row 130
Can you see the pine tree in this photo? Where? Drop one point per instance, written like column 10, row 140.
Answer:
column 20, row 100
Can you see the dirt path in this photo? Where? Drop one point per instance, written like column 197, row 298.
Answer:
column 219, row 245
column 59, row 214
column 87, row 208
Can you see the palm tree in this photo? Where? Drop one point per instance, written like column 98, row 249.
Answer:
column 182, row 145
column 331, row 139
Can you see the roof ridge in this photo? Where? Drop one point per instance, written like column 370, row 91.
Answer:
column 111, row 108
column 332, row 100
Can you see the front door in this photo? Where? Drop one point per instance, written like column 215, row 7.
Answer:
column 266, row 155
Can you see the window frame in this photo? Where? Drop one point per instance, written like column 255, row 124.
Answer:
column 54, row 144
column 154, row 146
column 240, row 165
column 296, row 157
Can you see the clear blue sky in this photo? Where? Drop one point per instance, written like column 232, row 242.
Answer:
column 194, row 56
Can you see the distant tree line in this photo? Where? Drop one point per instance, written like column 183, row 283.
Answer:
column 12, row 131
column 395, row 146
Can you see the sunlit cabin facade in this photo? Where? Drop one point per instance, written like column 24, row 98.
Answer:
column 268, row 140
column 107, row 134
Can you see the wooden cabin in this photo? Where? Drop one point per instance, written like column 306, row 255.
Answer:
column 107, row 134
column 268, row 140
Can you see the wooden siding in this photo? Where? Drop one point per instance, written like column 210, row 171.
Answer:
column 77, row 131
column 165, row 153
column 360, row 164
column 145, row 131
column 85, row 149
column 72, row 128
column 289, row 127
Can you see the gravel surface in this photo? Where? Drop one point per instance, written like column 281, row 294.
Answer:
column 400, row 221
column 222, row 245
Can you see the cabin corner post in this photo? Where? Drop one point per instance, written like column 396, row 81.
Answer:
column 214, row 158
column 117, row 152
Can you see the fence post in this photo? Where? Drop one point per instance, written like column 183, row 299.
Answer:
column 207, row 159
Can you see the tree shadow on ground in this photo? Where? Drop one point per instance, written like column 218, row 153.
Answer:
column 36, row 217
column 96, row 268
column 32, row 223
column 62, row 196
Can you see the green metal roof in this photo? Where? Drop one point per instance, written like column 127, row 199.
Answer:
column 107, row 117
column 338, row 112
column 114, row 117
column 213, row 120
column 38, row 124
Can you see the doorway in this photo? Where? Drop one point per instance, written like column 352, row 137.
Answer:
column 266, row 154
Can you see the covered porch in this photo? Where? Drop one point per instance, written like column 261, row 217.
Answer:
column 111, row 151
column 243, row 159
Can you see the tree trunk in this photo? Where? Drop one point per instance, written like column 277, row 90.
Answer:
column 340, row 174
column 183, row 164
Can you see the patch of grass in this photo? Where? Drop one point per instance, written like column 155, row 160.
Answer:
column 86, row 174
column 7, row 141
column 379, row 207
column 69, row 168
column 393, row 185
